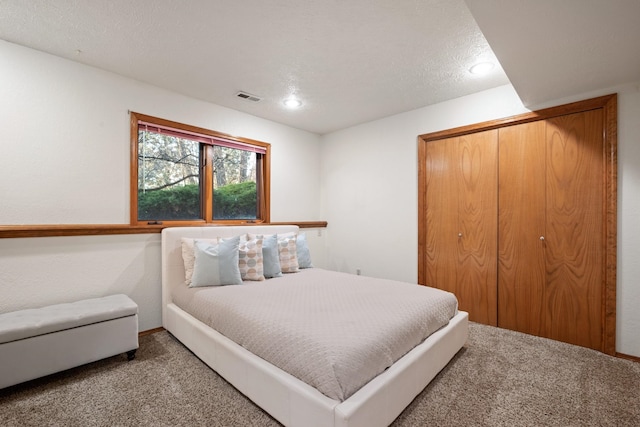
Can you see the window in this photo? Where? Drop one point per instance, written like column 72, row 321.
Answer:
column 181, row 174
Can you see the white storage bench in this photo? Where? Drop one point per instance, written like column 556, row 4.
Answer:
column 41, row 341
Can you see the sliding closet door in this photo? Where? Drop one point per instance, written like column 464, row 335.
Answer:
column 521, row 228
column 461, row 216
column 575, row 234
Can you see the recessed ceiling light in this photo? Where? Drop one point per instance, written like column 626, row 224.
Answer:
column 481, row 68
column 292, row 102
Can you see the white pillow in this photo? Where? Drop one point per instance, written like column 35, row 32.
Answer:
column 216, row 264
column 250, row 260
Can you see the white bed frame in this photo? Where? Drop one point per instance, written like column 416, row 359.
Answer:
column 286, row 398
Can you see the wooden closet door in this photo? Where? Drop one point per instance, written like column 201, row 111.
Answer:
column 575, row 235
column 557, row 180
column 550, row 246
column 441, row 215
column 521, row 225
column 461, row 215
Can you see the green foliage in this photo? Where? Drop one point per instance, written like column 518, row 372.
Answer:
column 235, row 201
column 170, row 204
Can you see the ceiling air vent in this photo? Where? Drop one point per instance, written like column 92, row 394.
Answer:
column 248, row 96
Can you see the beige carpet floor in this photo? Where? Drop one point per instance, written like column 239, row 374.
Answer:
column 500, row 378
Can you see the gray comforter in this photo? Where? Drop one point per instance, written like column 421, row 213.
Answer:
column 334, row 331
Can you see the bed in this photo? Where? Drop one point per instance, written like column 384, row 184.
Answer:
column 290, row 400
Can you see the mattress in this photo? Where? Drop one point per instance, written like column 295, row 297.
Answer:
column 332, row 330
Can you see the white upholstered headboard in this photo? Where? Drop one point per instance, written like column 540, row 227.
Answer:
column 172, row 264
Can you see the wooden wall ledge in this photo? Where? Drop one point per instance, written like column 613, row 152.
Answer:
column 53, row 230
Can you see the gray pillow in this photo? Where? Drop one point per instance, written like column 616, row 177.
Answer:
column 271, row 256
column 216, row 264
column 304, row 256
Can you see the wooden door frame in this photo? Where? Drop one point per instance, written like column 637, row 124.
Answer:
column 609, row 106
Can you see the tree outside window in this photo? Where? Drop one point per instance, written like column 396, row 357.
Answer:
column 185, row 174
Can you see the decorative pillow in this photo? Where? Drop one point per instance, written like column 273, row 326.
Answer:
column 302, row 249
column 270, row 257
column 216, row 264
column 250, row 260
column 188, row 256
column 304, row 255
column 287, row 251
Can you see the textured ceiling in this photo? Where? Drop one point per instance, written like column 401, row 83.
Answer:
column 351, row 61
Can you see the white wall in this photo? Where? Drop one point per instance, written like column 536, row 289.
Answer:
column 628, row 291
column 370, row 187
column 64, row 159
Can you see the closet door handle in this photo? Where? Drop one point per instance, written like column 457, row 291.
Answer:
column 542, row 238
column 459, row 234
